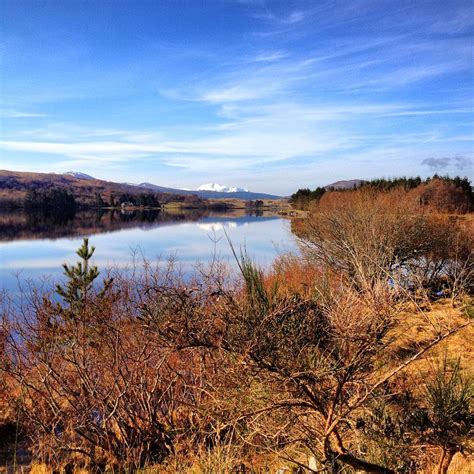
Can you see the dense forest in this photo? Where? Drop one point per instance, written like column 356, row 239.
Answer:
column 353, row 356
column 55, row 199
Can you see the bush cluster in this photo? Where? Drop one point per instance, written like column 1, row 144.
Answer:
column 55, row 199
column 440, row 193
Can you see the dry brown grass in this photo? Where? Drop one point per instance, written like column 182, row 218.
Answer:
column 422, row 324
column 461, row 464
column 37, row 468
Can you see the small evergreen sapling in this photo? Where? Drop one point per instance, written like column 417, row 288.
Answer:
column 81, row 279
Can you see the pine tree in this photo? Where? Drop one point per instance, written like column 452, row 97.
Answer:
column 99, row 202
column 80, row 278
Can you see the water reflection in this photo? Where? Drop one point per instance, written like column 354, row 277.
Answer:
column 50, row 225
column 35, row 245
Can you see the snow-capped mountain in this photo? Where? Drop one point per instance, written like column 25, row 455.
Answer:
column 78, row 175
column 218, row 188
column 212, row 191
column 206, row 191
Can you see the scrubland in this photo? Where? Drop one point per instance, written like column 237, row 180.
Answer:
column 354, row 356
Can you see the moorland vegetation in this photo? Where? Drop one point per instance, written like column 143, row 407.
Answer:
column 442, row 193
column 33, row 191
column 354, row 356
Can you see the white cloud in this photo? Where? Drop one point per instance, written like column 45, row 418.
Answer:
column 291, row 18
column 253, row 136
column 20, row 114
column 269, row 57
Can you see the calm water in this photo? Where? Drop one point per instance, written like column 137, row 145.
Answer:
column 33, row 247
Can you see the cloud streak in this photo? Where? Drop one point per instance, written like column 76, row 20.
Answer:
column 20, row 114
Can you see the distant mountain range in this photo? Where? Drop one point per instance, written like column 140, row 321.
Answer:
column 214, row 189
column 13, row 186
column 209, row 191
column 88, row 190
column 218, row 191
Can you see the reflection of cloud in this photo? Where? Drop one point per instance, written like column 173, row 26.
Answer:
column 217, row 226
column 39, row 263
column 190, row 243
column 55, row 263
column 458, row 162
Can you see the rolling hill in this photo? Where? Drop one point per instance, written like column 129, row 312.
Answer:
column 14, row 186
column 88, row 190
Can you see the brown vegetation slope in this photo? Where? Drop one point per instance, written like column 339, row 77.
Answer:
column 437, row 195
column 441, row 194
column 14, row 186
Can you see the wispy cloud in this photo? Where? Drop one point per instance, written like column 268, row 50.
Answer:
column 291, row 18
column 20, row 114
column 252, row 135
column 270, row 57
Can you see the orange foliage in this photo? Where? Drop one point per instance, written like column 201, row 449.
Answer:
column 437, row 195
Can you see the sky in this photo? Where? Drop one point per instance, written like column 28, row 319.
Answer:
column 268, row 95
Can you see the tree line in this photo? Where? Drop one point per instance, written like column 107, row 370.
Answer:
column 60, row 200
column 141, row 200
column 444, row 192
column 55, row 198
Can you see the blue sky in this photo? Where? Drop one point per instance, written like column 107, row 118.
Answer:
column 269, row 95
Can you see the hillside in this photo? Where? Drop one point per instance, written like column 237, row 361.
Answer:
column 345, row 184
column 86, row 190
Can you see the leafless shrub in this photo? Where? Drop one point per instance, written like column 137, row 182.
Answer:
column 374, row 237
column 329, row 355
column 97, row 386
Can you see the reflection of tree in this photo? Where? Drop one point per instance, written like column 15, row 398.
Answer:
column 44, row 219
column 36, row 225
column 49, row 223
